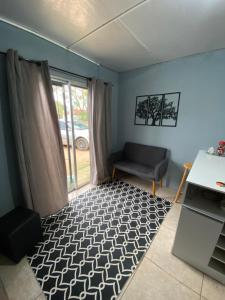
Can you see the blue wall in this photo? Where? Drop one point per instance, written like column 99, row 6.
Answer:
column 201, row 119
column 33, row 47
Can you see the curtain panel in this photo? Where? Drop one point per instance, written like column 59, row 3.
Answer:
column 99, row 107
column 37, row 135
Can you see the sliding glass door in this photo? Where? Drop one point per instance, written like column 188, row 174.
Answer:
column 71, row 104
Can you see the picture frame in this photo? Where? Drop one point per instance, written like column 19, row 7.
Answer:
column 157, row 109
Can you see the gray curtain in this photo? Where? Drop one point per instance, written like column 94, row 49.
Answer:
column 99, row 107
column 37, row 135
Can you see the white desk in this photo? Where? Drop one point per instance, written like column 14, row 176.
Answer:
column 207, row 170
column 200, row 236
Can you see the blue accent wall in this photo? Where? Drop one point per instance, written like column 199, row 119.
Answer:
column 201, row 119
column 33, row 47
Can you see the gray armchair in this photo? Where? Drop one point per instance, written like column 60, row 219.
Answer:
column 147, row 162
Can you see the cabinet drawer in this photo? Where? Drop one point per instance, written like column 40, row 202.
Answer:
column 196, row 237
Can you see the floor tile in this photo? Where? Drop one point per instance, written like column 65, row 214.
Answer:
column 41, row 297
column 120, row 296
column 150, row 282
column 212, row 289
column 3, row 295
column 160, row 254
column 172, row 217
column 19, row 280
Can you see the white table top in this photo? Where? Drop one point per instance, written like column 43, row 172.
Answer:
column 207, row 170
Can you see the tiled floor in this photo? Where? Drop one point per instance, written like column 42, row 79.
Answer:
column 19, row 280
column 159, row 276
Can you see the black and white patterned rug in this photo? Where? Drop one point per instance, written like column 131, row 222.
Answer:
column 92, row 246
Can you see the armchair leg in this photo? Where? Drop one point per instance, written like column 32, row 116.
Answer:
column 113, row 173
column 161, row 183
column 153, row 188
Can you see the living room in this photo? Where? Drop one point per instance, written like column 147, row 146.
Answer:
column 145, row 81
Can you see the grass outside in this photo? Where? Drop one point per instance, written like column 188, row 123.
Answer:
column 83, row 167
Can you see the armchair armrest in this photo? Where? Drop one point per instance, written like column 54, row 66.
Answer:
column 114, row 157
column 160, row 169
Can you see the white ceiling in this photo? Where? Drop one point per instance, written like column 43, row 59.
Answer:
column 124, row 34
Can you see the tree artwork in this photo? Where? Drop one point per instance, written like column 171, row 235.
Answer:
column 157, row 110
column 169, row 111
column 142, row 110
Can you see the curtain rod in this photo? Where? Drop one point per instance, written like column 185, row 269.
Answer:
column 68, row 72
column 60, row 70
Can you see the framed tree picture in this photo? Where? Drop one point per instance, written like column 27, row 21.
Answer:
column 157, row 110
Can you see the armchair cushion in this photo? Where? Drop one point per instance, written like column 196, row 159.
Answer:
column 135, row 169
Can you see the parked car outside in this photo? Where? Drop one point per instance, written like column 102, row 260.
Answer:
column 81, row 134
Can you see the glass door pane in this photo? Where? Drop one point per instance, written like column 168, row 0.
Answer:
column 71, row 104
column 62, row 101
column 80, row 119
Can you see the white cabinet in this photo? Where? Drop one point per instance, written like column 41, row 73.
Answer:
column 200, row 236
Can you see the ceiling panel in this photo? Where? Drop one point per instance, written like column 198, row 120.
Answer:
column 176, row 28
column 64, row 21
column 113, row 46
column 154, row 31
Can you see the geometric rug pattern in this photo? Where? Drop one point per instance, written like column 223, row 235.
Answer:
column 91, row 247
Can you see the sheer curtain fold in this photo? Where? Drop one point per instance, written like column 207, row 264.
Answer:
column 37, row 135
column 99, row 106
